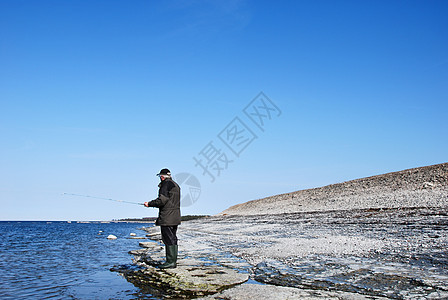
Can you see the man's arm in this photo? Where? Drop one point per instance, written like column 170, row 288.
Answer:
column 164, row 196
column 159, row 202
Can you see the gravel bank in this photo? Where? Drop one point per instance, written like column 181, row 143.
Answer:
column 419, row 187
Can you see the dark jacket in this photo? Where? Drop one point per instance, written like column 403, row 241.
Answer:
column 168, row 203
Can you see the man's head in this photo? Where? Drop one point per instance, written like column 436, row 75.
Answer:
column 164, row 174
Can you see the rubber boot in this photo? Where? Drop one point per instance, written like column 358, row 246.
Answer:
column 171, row 257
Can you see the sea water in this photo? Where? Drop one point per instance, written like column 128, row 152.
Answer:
column 66, row 260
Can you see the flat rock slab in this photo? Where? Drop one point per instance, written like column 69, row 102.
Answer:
column 272, row 292
column 153, row 233
column 186, row 281
column 151, row 245
column 194, row 275
column 138, row 252
column 208, row 279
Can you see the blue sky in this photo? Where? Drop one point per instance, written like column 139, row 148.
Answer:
column 98, row 96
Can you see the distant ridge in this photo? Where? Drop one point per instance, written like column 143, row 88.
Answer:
column 417, row 187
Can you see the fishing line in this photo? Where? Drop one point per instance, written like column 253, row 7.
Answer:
column 108, row 199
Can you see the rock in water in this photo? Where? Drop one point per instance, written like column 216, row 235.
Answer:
column 152, row 245
column 111, row 237
column 132, row 234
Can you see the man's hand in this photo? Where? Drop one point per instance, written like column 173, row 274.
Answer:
column 146, row 204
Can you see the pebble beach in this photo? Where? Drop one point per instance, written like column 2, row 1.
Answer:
column 382, row 237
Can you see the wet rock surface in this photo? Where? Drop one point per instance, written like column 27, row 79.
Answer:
column 272, row 292
column 358, row 254
column 200, row 270
column 391, row 253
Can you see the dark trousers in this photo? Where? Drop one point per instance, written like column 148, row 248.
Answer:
column 169, row 237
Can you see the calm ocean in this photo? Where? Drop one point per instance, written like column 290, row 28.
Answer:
column 60, row 260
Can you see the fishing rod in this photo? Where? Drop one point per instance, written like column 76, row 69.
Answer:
column 109, row 199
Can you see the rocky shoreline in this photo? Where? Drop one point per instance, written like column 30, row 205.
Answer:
column 363, row 254
column 366, row 253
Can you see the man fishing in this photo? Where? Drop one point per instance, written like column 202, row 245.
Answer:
column 168, row 203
